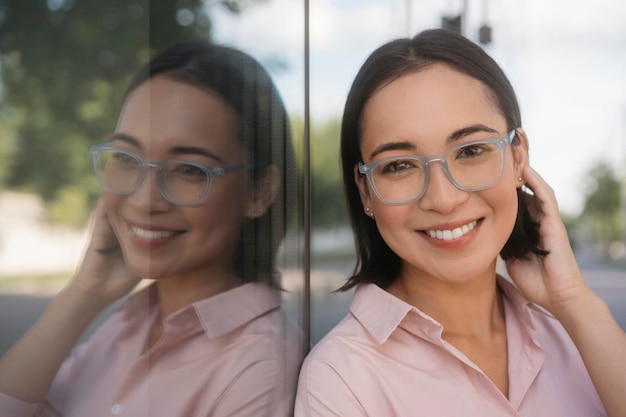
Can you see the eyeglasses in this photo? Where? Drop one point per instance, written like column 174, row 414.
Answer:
column 183, row 183
column 470, row 166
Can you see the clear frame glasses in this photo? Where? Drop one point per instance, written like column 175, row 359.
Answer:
column 184, row 183
column 470, row 166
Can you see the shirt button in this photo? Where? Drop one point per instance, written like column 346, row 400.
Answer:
column 117, row 409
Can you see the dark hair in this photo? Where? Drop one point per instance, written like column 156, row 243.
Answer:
column 376, row 262
column 264, row 130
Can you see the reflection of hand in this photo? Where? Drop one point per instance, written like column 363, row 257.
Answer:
column 27, row 370
column 103, row 275
column 553, row 281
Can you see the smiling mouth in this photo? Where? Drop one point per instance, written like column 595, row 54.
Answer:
column 152, row 234
column 452, row 234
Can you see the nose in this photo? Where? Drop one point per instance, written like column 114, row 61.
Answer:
column 148, row 195
column 441, row 194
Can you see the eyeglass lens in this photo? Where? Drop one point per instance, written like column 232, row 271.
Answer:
column 181, row 182
column 470, row 167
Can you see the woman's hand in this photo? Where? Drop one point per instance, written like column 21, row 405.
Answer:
column 553, row 281
column 103, row 273
column 28, row 368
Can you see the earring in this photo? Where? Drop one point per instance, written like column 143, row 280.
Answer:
column 369, row 212
column 520, row 179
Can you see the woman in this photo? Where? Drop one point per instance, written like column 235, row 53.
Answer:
column 435, row 167
column 195, row 198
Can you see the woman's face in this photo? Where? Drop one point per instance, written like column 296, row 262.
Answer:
column 426, row 113
column 164, row 119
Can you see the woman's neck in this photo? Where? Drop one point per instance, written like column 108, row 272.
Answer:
column 468, row 307
column 179, row 291
column 471, row 313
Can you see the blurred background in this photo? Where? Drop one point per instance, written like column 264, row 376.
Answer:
column 64, row 65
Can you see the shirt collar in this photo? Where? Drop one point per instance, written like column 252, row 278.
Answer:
column 522, row 306
column 382, row 313
column 219, row 314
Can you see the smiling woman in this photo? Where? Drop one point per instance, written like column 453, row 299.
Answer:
column 435, row 168
column 195, row 197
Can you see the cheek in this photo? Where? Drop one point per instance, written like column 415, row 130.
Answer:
column 503, row 199
column 391, row 220
column 112, row 203
column 223, row 210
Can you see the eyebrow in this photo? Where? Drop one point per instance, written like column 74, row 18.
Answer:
column 126, row 138
column 176, row 150
column 453, row 137
column 468, row 130
column 392, row 146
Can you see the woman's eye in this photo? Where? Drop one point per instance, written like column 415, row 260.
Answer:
column 471, row 151
column 398, row 166
column 123, row 158
column 190, row 170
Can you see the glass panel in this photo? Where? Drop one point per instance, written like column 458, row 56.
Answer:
column 273, row 33
column 213, row 313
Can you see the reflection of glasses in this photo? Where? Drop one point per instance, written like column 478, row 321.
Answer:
column 470, row 166
column 183, row 183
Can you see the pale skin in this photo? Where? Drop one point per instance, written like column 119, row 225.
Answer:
column 455, row 282
column 159, row 118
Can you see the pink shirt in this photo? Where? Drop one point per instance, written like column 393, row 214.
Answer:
column 234, row 354
column 387, row 358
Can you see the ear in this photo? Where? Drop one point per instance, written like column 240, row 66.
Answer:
column 520, row 155
column 263, row 192
column 363, row 186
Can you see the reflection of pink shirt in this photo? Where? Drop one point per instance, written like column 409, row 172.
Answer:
column 388, row 358
column 234, row 354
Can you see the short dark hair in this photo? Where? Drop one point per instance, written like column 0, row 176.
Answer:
column 264, row 131
column 376, row 262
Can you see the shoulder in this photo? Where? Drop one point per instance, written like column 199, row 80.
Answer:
column 339, row 369
column 325, row 385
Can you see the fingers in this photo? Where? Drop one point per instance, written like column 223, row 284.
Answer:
column 102, row 235
column 545, row 195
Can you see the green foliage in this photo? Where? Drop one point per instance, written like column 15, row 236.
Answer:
column 601, row 211
column 70, row 207
column 328, row 207
column 571, row 224
column 7, row 141
column 327, row 203
column 65, row 65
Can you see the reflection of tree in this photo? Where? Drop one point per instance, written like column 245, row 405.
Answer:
column 327, row 201
column 64, row 66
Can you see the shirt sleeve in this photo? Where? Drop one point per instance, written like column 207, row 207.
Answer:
column 12, row 407
column 322, row 392
column 50, row 407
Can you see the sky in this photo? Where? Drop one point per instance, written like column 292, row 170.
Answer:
column 565, row 59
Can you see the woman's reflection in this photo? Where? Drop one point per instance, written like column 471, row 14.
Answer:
column 194, row 196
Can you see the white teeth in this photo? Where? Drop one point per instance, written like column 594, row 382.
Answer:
column 151, row 234
column 451, row 234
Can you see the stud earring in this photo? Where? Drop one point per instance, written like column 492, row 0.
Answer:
column 369, row 212
column 520, row 179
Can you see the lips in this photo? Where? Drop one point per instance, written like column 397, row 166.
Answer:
column 452, row 234
column 152, row 234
